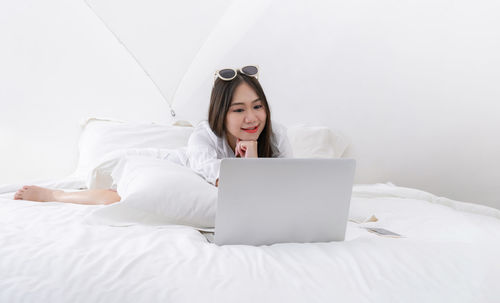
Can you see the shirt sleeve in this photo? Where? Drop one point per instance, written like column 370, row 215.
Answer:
column 283, row 142
column 202, row 155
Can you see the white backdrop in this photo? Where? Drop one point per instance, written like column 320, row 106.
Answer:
column 413, row 85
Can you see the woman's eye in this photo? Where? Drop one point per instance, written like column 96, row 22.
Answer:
column 241, row 110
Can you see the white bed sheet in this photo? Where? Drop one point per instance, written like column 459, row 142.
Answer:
column 450, row 253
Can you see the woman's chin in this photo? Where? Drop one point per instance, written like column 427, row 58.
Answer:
column 249, row 137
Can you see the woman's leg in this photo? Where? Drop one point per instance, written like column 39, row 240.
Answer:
column 91, row 196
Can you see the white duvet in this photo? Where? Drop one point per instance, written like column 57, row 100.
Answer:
column 450, row 253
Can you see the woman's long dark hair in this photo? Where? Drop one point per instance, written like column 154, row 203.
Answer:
column 220, row 101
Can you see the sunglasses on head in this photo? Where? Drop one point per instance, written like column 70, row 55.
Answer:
column 228, row 74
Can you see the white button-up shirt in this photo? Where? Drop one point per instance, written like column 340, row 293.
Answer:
column 205, row 149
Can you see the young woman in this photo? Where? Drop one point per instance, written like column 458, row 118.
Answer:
column 239, row 125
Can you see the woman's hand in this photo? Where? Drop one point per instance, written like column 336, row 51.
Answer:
column 246, row 149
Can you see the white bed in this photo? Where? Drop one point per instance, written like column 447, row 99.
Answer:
column 449, row 253
column 49, row 252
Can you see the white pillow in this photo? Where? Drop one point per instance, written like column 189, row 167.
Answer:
column 100, row 175
column 158, row 192
column 103, row 142
column 316, row 142
column 101, row 136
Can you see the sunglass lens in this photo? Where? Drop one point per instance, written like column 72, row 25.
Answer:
column 250, row 70
column 227, row 73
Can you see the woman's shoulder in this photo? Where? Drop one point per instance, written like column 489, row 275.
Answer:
column 279, row 129
column 202, row 133
column 280, row 140
column 203, row 127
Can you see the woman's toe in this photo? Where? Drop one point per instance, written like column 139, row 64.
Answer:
column 19, row 194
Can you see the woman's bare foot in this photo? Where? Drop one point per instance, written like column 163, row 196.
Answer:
column 37, row 193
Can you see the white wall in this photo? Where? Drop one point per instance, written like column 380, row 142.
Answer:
column 59, row 64
column 424, row 115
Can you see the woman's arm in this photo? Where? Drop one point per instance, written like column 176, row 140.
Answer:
column 202, row 154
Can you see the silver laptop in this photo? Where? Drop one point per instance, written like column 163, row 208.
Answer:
column 264, row 201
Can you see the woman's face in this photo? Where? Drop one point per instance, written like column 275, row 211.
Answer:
column 246, row 117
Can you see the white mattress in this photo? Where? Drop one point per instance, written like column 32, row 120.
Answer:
column 450, row 253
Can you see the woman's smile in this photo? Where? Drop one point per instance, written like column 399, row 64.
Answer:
column 251, row 129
